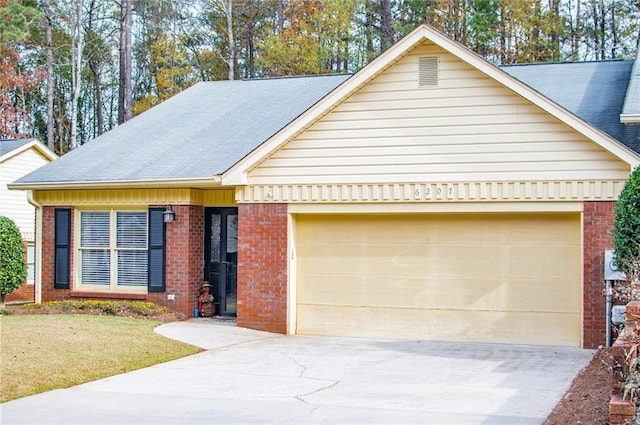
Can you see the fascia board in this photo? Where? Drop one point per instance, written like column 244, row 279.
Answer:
column 202, row 183
column 630, row 118
column 35, row 144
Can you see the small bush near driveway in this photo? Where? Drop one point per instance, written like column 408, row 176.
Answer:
column 45, row 352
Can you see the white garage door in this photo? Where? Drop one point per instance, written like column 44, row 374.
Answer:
column 512, row 278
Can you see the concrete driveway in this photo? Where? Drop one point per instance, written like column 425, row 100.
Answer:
column 250, row 377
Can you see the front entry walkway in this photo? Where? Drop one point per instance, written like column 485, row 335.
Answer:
column 251, row 377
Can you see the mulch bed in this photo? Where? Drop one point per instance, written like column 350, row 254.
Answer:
column 587, row 400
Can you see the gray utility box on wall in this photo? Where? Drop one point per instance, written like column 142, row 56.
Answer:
column 610, row 270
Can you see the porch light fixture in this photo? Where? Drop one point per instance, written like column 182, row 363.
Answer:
column 168, row 215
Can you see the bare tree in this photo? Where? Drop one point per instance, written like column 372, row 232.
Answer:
column 386, row 25
column 231, row 58
column 125, row 93
column 49, row 62
column 76, row 71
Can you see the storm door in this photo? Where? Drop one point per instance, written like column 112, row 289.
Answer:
column 221, row 257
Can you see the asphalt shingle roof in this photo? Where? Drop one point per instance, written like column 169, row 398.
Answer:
column 594, row 91
column 632, row 101
column 199, row 133
column 9, row 145
column 209, row 127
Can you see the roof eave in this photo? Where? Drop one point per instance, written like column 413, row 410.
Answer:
column 197, row 183
column 630, row 118
column 34, row 143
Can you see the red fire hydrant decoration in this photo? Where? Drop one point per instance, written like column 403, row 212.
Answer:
column 205, row 301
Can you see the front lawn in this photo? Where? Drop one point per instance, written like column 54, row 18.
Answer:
column 41, row 352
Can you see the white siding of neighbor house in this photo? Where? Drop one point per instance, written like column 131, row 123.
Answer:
column 13, row 203
column 469, row 128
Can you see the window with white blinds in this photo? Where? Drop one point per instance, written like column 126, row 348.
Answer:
column 113, row 249
column 31, row 263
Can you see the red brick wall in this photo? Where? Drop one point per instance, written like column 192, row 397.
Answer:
column 598, row 223
column 184, row 262
column 262, row 267
column 24, row 293
column 49, row 293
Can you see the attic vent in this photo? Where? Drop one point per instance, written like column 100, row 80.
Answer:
column 428, row 71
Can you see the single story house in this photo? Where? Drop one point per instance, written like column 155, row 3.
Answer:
column 431, row 195
column 17, row 158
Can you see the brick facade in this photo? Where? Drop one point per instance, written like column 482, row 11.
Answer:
column 184, row 263
column 25, row 293
column 598, row 223
column 49, row 293
column 262, row 267
column 184, row 260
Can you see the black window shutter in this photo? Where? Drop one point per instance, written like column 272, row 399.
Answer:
column 156, row 250
column 62, row 253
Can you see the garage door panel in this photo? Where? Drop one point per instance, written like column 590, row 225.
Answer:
column 442, row 325
column 442, row 294
column 426, row 266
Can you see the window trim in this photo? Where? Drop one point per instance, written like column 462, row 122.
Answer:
column 31, row 263
column 113, row 286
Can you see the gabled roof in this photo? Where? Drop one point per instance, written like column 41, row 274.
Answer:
column 194, row 136
column 214, row 133
column 12, row 147
column 238, row 173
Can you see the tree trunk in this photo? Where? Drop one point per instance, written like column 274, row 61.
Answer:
column 49, row 62
column 369, row 51
column 386, row 28
column 280, row 17
column 125, row 93
column 503, row 36
column 76, row 73
column 603, row 30
column 94, row 66
column 555, row 38
column 614, row 31
column 231, row 61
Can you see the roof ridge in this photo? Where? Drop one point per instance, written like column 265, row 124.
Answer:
column 562, row 63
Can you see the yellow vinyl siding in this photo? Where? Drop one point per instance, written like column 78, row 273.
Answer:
column 89, row 197
column 463, row 277
column 13, row 203
column 468, row 128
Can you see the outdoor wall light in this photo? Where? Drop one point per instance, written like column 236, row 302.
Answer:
column 168, row 215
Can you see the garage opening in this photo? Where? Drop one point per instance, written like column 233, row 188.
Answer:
column 507, row 278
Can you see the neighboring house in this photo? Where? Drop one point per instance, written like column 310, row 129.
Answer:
column 17, row 158
column 431, row 195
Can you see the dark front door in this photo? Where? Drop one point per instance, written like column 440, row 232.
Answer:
column 221, row 257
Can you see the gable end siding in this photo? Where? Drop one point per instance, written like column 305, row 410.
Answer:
column 469, row 128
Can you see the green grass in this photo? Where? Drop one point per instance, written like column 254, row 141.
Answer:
column 43, row 352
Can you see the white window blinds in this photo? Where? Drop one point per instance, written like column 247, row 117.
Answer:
column 113, row 248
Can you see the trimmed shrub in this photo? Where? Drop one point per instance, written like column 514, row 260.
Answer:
column 626, row 228
column 13, row 267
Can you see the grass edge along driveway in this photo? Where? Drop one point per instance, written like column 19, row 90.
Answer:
column 40, row 352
